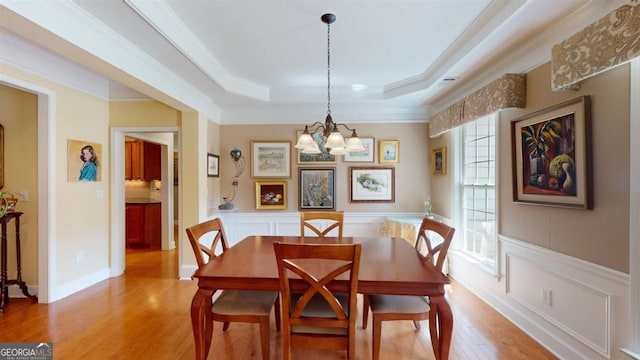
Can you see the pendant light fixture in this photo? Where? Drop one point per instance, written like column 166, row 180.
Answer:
column 334, row 141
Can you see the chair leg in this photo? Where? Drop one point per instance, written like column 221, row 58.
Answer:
column 225, row 326
column 377, row 332
column 277, row 312
column 416, row 323
column 286, row 344
column 365, row 311
column 264, row 337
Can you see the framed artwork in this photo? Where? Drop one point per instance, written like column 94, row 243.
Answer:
column 372, row 184
column 317, row 188
column 1, row 156
column 175, row 168
column 323, row 158
column 439, row 161
column 271, row 195
column 213, row 165
column 551, row 156
column 83, row 161
column 389, row 151
column 271, row 159
column 362, row 156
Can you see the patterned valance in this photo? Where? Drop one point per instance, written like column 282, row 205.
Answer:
column 600, row 46
column 509, row 91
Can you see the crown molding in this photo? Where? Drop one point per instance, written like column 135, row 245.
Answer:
column 532, row 53
column 53, row 25
column 167, row 23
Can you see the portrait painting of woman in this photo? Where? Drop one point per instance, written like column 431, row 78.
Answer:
column 83, row 160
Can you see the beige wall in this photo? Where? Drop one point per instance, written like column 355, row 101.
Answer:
column 82, row 216
column 142, row 113
column 82, row 223
column 18, row 116
column 411, row 173
column 441, row 199
column 600, row 235
column 214, row 198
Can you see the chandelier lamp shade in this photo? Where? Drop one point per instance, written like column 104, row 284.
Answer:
column 334, row 141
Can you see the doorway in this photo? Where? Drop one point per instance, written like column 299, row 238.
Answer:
column 165, row 136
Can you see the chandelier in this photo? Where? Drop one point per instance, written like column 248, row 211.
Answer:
column 334, row 141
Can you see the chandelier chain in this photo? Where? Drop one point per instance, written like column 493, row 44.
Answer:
column 328, row 68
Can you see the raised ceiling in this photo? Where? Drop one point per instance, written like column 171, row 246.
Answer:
column 258, row 61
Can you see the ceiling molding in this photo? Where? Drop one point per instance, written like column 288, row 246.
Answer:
column 490, row 19
column 167, row 23
column 531, row 54
column 109, row 53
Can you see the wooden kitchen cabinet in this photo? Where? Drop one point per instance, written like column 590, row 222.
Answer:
column 142, row 160
column 143, row 225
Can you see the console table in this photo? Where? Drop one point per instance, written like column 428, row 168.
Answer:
column 4, row 281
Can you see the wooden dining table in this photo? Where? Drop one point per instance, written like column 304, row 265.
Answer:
column 387, row 266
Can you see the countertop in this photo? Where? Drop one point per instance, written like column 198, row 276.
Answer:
column 141, row 201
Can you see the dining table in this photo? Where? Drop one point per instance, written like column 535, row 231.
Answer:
column 388, row 265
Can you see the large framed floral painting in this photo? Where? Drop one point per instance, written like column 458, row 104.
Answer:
column 551, row 156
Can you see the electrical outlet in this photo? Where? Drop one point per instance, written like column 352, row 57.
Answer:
column 546, row 296
column 79, row 257
column 24, row 195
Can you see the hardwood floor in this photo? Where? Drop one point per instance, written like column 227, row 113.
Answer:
column 145, row 315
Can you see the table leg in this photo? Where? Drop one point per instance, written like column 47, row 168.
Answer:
column 202, row 322
column 19, row 282
column 3, row 273
column 440, row 326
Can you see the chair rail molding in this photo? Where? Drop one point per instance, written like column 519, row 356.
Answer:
column 239, row 225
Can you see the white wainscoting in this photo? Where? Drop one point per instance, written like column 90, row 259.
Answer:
column 238, row 225
column 576, row 309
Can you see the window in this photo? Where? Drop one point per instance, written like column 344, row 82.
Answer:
column 478, row 190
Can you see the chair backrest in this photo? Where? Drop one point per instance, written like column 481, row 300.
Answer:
column 317, row 266
column 434, row 253
column 204, row 247
column 334, row 217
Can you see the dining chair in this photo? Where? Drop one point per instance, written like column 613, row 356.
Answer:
column 406, row 307
column 209, row 238
column 313, row 316
column 335, row 219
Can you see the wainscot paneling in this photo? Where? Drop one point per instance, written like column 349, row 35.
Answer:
column 239, row 225
column 576, row 309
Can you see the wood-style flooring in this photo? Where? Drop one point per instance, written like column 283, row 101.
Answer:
column 145, row 315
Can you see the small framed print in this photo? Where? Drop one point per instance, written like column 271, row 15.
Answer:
column 439, row 161
column 362, row 156
column 213, row 165
column 271, row 159
column 317, row 188
column 271, row 195
column 372, row 184
column 389, row 151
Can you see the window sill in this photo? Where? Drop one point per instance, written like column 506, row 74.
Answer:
column 490, row 268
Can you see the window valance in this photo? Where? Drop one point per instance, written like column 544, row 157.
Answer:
column 600, row 46
column 509, row 91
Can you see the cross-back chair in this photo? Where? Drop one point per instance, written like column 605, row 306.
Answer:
column 313, row 315
column 233, row 305
column 405, row 307
column 335, row 219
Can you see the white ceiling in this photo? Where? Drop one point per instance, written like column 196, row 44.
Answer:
column 250, row 61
